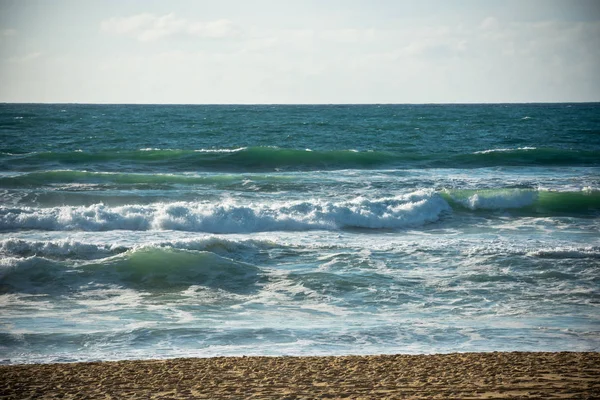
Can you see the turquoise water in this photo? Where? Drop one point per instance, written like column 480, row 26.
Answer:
column 154, row 231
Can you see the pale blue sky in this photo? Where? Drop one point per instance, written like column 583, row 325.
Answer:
column 312, row 51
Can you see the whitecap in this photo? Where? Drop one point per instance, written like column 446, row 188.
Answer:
column 505, row 150
column 402, row 211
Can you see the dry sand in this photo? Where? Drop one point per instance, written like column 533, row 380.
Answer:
column 466, row 375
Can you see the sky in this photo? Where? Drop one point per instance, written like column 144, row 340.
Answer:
column 292, row 51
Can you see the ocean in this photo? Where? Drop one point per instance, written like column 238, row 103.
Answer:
column 160, row 231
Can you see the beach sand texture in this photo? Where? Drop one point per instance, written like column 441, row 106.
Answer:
column 459, row 375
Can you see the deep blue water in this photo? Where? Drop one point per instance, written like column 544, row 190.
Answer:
column 152, row 231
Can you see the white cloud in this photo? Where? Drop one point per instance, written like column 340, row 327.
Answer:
column 25, row 58
column 123, row 25
column 487, row 57
column 214, row 29
column 489, row 23
column 8, row 32
column 148, row 27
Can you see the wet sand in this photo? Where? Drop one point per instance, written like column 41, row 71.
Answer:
column 460, row 375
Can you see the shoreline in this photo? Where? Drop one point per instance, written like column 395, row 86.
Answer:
column 454, row 375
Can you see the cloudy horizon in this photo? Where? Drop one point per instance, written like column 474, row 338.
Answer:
column 310, row 52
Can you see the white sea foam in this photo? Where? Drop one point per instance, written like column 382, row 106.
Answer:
column 9, row 264
column 504, row 150
column 414, row 209
column 57, row 248
column 197, row 151
column 105, row 299
column 220, row 150
column 567, row 252
column 590, row 189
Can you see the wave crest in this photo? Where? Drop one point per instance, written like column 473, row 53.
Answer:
column 567, row 252
column 402, row 211
column 63, row 249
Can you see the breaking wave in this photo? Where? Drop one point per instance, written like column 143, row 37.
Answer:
column 402, row 211
column 414, row 209
column 567, row 252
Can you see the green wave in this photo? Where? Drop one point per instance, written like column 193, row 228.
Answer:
column 525, row 200
column 152, row 269
column 526, row 157
column 166, row 268
column 275, row 158
column 271, row 157
column 40, row 178
column 576, row 202
column 257, row 157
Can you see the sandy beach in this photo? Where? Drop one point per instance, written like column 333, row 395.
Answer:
column 459, row 375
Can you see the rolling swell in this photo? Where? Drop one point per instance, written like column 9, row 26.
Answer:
column 164, row 268
column 275, row 158
column 242, row 159
column 146, row 268
column 527, row 201
column 76, row 250
column 44, row 178
column 527, row 156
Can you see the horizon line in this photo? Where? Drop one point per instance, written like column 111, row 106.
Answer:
column 293, row 104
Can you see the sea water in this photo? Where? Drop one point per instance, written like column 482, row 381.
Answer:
column 156, row 231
